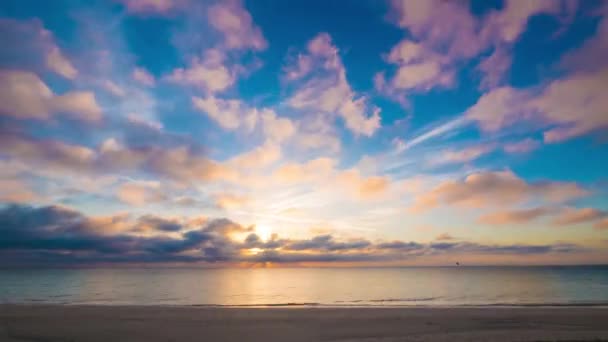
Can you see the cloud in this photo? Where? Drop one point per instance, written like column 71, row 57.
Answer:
column 326, row 243
column 494, row 68
column 58, row 235
column 363, row 187
column 570, row 107
column 522, row 146
column 573, row 216
column 236, row 24
column 141, row 193
column 602, row 224
column 258, row 157
column 230, row 201
column 113, row 88
column 444, row 34
column 322, row 86
column 514, row 216
column 229, row 114
column 16, row 191
column 181, row 163
column 493, row 188
column 208, row 74
column 461, row 156
column 276, row 128
column 321, row 172
column 155, row 223
column 592, row 55
column 25, row 96
column 58, row 63
column 151, row 6
column 143, row 76
column 32, row 46
column 419, row 68
column 444, row 237
column 233, row 114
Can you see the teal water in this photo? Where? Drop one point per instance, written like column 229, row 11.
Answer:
column 567, row 285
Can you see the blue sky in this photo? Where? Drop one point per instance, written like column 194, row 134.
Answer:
column 478, row 123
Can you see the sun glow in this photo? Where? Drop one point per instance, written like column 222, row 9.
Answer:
column 264, row 232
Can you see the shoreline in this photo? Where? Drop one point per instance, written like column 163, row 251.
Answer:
column 599, row 305
column 44, row 322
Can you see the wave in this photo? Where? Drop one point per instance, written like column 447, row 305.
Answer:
column 388, row 300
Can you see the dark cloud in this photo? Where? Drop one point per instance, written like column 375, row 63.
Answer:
column 159, row 223
column 59, row 235
column 326, row 243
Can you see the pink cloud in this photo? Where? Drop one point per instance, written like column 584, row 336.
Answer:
column 461, row 156
column 143, row 76
column 141, row 193
column 522, row 146
column 236, row 24
column 483, row 189
column 573, row 216
column 570, row 107
column 152, row 6
column 326, row 89
column 33, row 45
column 513, row 216
column 444, row 237
column 24, row 95
column 446, row 33
column 209, row 74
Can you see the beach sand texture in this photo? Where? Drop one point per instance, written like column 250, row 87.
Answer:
column 165, row 323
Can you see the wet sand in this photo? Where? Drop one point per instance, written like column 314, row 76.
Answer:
column 166, row 323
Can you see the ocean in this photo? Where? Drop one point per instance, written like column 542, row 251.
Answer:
column 428, row 286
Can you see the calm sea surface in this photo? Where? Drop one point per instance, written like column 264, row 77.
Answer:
column 324, row 286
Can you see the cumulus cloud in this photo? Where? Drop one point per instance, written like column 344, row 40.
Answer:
column 16, row 191
column 208, row 74
column 237, row 26
column 444, row 237
column 58, row 63
column 229, row 114
column 47, row 235
column 141, row 193
column 180, row 164
column 322, row 86
column 233, row 114
column 570, row 107
column 143, row 76
column 25, row 96
column 593, row 54
column 443, row 34
column 488, row 188
column 230, row 201
column 113, row 88
column 33, row 46
column 152, row 6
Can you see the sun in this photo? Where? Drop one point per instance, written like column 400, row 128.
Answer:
column 264, row 232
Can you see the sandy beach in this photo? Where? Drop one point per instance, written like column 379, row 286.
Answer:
column 161, row 323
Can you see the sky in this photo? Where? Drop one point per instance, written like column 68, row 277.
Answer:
column 269, row 133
